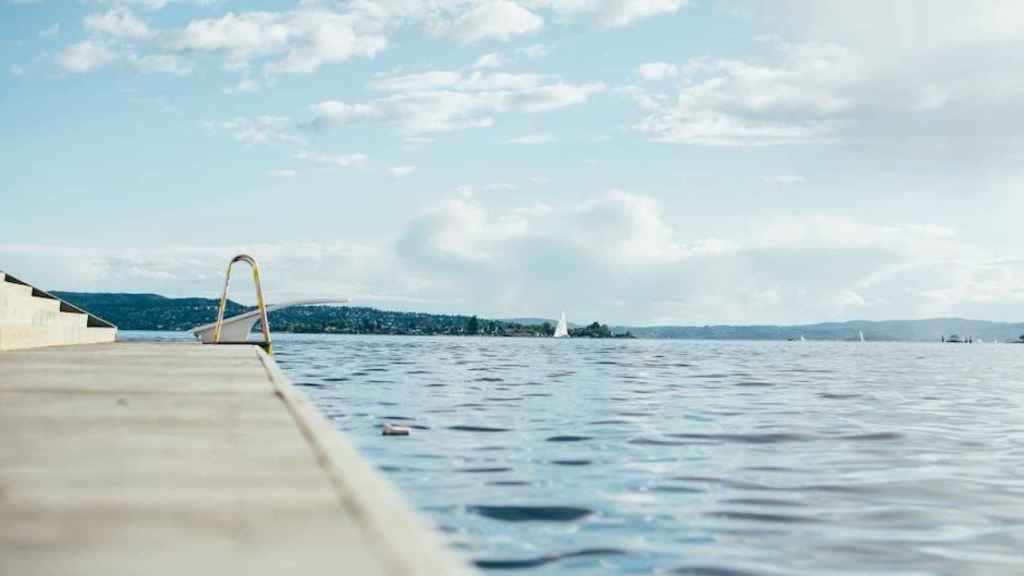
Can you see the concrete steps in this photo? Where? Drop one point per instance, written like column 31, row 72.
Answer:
column 32, row 318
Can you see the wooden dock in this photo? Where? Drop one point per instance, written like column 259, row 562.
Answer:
column 181, row 459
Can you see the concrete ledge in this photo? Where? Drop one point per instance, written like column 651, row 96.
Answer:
column 19, row 300
column 23, row 337
column 14, row 290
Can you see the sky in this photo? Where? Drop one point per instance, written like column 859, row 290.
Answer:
column 628, row 161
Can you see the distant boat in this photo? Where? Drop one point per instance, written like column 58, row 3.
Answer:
column 562, row 330
column 802, row 339
column 861, row 335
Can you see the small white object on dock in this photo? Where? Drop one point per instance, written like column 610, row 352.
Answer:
column 392, row 430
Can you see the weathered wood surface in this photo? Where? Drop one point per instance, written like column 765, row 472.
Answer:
column 185, row 459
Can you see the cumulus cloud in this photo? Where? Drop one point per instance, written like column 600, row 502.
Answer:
column 785, row 268
column 496, row 19
column 84, row 56
column 802, row 97
column 314, row 34
column 657, row 71
column 613, row 13
column 626, row 12
column 444, row 101
column 465, row 254
column 118, row 24
column 877, row 77
column 293, row 42
column 336, row 112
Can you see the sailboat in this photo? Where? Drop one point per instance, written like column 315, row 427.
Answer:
column 562, row 330
column 861, row 335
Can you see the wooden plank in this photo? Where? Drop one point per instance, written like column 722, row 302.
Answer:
column 171, row 459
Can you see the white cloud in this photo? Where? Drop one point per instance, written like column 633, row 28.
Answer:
column 801, row 98
column 154, row 5
column 295, row 269
column 357, row 160
column 117, row 24
column 316, row 33
column 401, row 171
column 656, row 71
column 443, row 101
column 243, row 35
column 884, row 29
column 291, row 42
column 464, row 254
column 613, row 13
column 494, row 19
column 335, row 112
column 625, row 12
column 616, row 228
column 144, row 4
column 785, row 268
column 924, row 77
column 490, row 60
column 84, row 56
column 16, row 70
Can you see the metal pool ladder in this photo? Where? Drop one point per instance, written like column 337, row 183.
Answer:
column 261, row 304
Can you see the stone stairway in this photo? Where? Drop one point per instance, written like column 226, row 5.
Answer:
column 31, row 318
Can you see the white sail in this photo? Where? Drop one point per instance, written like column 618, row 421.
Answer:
column 562, row 330
column 861, row 335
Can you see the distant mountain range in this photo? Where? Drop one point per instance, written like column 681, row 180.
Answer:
column 931, row 330
column 154, row 312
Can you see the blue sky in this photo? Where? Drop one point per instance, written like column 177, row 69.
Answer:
column 633, row 161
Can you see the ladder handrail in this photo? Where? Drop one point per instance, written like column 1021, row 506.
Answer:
column 260, row 302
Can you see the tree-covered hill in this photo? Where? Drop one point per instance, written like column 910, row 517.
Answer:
column 154, row 312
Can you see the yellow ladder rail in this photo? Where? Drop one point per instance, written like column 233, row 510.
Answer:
column 260, row 302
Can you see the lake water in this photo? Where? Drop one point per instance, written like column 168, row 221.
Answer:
column 542, row 456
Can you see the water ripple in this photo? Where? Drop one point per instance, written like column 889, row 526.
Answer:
column 532, row 513
column 706, row 458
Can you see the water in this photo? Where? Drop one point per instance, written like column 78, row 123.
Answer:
column 542, row 456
